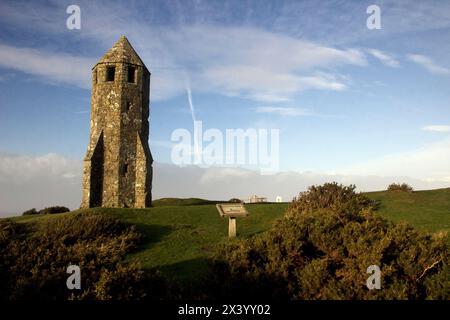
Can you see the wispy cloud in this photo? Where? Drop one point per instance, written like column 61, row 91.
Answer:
column 265, row 83
column 437, row 128
column 246, row 61
column 385, row 58
column 283, row 111
column 428, row 64
column 223, row 60
column 52, row 66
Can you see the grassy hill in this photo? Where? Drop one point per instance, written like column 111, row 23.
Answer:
column 179, row 239
column 180, row 234
column 427, row 210
column 182, row 202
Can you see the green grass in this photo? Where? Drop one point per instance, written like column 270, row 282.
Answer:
column 179, row 239
column 180, row 234
column 181, row 202
column 426, row 210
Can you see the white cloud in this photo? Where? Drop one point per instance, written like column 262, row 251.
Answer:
column 437, row 128
column 342, row 23
column 428, row 64
column 220, row 183
column 18, row 169
column 385, row 58
column 263, row 84
column 52, row 66
column 430, row 162
column 40, row 181
column 283, row 111
column 241, row 61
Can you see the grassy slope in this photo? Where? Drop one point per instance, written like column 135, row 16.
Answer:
column 180, row 234
column 427, row 210
column 181, row 202
column 179, row 239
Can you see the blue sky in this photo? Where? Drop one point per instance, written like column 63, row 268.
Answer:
column 347, row 100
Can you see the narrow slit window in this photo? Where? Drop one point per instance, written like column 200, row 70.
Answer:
column 128, row 107
column 131, row 74
column 110, row 73
column 124, row 169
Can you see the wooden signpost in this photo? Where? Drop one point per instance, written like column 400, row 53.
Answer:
column 232, row 211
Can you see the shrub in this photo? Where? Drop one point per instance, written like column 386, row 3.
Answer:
column 400, row 187
column 330, row 196
column 48, row 210
column 30, row 212
column 54, row 209
column 235, row 200
column 34, row 258
column 321, row 249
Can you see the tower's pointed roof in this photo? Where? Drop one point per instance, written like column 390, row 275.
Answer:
column 122, row 51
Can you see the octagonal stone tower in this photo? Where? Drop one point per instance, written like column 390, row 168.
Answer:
column 118, row 164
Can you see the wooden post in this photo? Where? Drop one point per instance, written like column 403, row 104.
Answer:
column 231, row 227
column 232, row 211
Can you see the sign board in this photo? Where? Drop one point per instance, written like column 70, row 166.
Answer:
column 232, row 210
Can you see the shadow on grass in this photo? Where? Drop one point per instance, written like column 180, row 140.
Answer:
column 252, row 234
column 186, row 271
column 152, row 233
column 195, row 282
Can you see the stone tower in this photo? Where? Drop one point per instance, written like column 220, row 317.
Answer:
column 118, row 164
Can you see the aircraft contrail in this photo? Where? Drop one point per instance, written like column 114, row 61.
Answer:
column 197, row 138
column 191, row 106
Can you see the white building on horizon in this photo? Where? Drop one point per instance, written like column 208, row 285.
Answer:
column 255, row 199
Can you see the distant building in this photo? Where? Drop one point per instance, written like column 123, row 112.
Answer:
column 278, row 199
column 255, row 199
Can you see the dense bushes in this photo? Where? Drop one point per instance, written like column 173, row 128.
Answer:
column 30, row 212
column 48, row 210
column 54, row 209
column 330, row 196
column 322, row 248
column 400, row 187
column 34, row 258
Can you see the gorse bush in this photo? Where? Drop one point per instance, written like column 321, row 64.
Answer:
column 330, row 196
column 48, row 210
column 322, row 248
column 400, row 187
column 30, row 212
column 34, row 259
column 54, row 209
